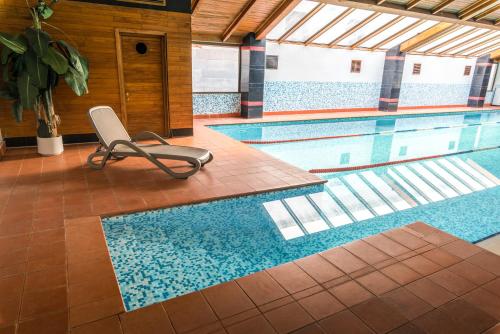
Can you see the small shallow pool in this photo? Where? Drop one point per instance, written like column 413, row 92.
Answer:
column 386, row 176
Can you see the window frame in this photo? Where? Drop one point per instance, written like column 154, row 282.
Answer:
column 356, row 65
column 467, row 70
column 416, row 69
column 276, row 57
column 238, row 90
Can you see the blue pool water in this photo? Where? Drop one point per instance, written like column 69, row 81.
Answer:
column 161, row 254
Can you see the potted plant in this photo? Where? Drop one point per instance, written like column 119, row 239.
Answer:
column 33, row 63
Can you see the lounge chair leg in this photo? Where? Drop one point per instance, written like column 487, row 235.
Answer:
column 105, row 156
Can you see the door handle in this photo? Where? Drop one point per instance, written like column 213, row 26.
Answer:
column 127, row 95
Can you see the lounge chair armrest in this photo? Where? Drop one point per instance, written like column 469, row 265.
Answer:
column 128, row 144
column 145, row 135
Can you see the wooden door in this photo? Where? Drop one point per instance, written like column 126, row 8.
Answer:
column 144, row 83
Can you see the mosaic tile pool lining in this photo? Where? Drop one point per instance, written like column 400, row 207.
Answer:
column 162, row 254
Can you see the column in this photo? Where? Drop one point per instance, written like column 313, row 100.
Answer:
column 480, row 81
column 253, row 64
column 391, row 80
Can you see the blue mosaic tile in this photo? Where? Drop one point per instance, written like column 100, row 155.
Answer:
column 433, row 94
column 216, row 103
column 295, row 95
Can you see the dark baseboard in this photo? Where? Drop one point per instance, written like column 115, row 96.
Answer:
column 80, row 138
column 67, row 139
column 182, row 132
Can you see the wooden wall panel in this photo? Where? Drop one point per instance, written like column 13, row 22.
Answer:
column 92, row 28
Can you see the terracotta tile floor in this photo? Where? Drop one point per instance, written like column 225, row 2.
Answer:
column 56, row 275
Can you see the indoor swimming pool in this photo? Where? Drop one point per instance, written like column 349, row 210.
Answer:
column 394, row 171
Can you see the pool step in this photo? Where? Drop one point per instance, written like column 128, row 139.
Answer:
column 360, row 196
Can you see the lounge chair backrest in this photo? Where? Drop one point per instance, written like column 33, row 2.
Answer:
column 107, row 125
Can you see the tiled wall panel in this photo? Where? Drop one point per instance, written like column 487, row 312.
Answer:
column 293, row 95
column 216, row 104
column 433, row 94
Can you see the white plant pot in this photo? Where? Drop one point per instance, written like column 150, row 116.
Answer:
column 50, row 146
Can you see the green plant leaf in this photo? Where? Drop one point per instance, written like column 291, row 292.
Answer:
column 39, row 41
column 15, row 43
column 44, row 10
column 76, row 60
column 17, row 111
column 56, row 61
column 53, row 78
column 37, row 70
column 5, row 74
column 76, row 81
column 28, row 93
column 6, row 52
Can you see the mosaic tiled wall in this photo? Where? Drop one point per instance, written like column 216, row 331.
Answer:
column 433, row 94
column 216, row 103
column 293, row 95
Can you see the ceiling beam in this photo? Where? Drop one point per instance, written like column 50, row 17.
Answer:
column 476, row 45
column 487, row 12
column 420, row 13
column 279, row 14
column 495, row 55
column 466, row 42
column 351, row 31
column 442, row 5
column 329, row 25
column 194, row 6
column 214, row 39
column 237, row 20
column 476, row 8
column 378, row 31
column 413, row 3
column 452, row 40
column 301, row 22
column 398, row 34
column 485, row 50
column 425, row 36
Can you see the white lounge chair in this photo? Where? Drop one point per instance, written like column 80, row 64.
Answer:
column 116, row 143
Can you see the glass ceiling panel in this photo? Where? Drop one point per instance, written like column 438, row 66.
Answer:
column 479, row 47
column 415, row 31
column 291, row 19
column 459, row 32
column 315, row 23
column 347, row 23
column 389, row 32
column 475, row 41
column 367, row 29
column 461, row 40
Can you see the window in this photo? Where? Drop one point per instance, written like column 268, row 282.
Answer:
column 467, row 70
column 215, row 69
column 356, row 66
column 417, row 68
column 272, row 62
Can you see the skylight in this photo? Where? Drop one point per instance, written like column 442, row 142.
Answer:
column 347, row 23
column 291, row 19
column 443, row 39
column 403, row 38
column 316, row 23
column 389, row 32
column 368, row 29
